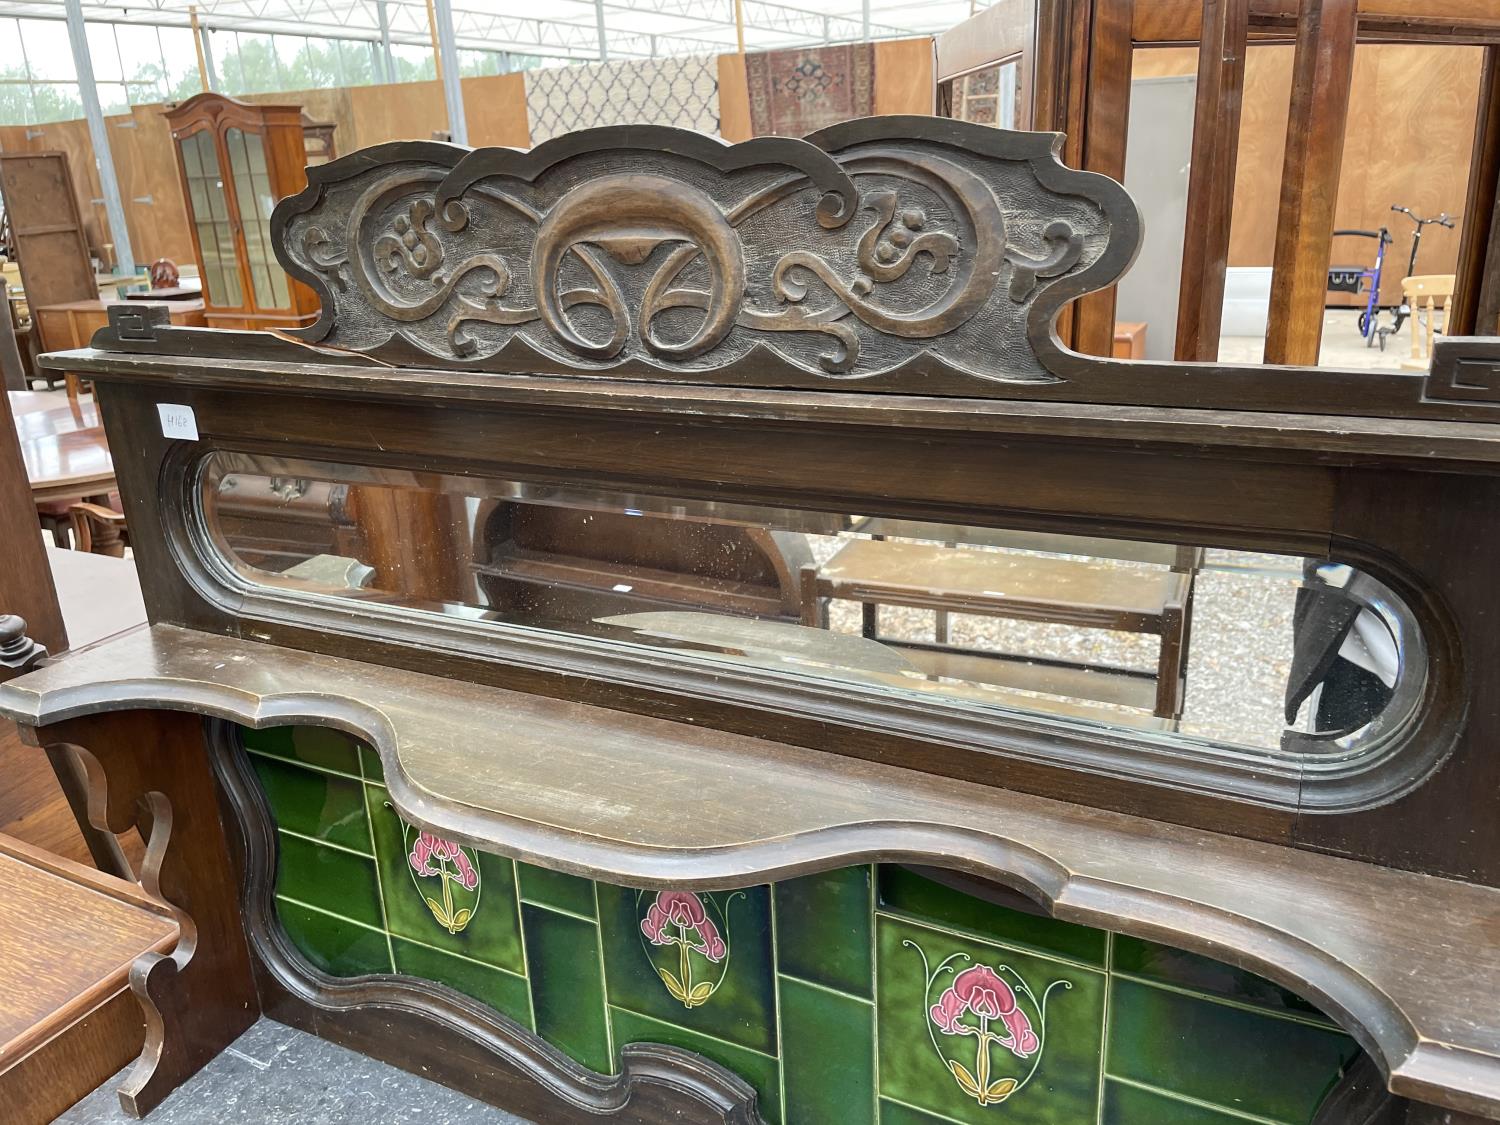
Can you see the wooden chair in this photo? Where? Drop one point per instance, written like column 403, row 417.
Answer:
column 1432, row 293
column 98, row 529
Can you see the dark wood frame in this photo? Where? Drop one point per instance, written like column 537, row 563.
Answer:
column 1392, row 472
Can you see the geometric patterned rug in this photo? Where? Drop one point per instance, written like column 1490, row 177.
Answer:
column 796, row 91
column 681, row 91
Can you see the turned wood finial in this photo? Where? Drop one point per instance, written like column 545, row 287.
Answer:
column 18, row 652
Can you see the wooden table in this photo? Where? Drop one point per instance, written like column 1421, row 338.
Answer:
column 72, row 324
column 64, row 450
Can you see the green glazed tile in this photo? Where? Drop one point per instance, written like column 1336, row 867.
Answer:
column 490, row 933
column 556, row 888
column 823, row 929
column 1130, row 1105
column 918, row 1061
column 369, row 764
column 567, row 991
column 1230, row 1057
column 759, row 1070
column 902, row 891
column 334, row 945
column 827, row 1056
column 332, row 880
column 310, row 803
column 894, row 1113
column 734, row 997
column 321, row 747
column 1203, row 974
column 505, row 992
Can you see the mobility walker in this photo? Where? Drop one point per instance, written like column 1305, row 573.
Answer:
column 1354, row 279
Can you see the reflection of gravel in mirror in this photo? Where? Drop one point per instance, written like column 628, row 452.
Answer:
column 1239, row 657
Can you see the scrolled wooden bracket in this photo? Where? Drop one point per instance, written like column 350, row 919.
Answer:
column 147, row 769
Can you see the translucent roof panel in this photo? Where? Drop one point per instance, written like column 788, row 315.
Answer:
column 557, row 30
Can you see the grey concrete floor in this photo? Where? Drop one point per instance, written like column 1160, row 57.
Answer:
column 276, row 1075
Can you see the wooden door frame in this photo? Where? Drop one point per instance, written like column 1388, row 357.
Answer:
column 1081, row 87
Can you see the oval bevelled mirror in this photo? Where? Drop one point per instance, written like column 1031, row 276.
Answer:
column 1279, row 656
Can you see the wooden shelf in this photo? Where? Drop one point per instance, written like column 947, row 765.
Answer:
column 1409, row 964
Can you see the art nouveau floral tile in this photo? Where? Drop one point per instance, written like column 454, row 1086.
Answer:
column 1130, row 1105
column 556, row 889
column 968, row 1029
column 896, row 1113
column 982, row 1014
column 827, row 1055
column 324, row 878
column 318, row 805
column 1203, row 974
column 319, row 747
column 505, row 992
column 702, row 961
column 369, row 764
column 439, row 893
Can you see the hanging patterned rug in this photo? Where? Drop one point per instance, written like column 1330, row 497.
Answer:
column 794, row 92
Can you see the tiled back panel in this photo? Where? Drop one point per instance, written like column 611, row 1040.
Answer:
column 857, row 996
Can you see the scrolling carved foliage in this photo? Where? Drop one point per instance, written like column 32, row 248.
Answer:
column 895, row 251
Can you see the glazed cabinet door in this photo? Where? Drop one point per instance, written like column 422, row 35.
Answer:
column 254, row 197
column 211, row 212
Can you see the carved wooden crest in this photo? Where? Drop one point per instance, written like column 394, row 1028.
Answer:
column 894, row 251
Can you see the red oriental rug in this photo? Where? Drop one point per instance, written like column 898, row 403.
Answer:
column 795, row 92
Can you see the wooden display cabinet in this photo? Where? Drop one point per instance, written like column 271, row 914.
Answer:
column 236, row 160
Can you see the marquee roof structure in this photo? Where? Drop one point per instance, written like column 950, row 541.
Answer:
column 558, row 30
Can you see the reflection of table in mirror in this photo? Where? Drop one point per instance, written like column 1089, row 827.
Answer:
column 978, row 571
